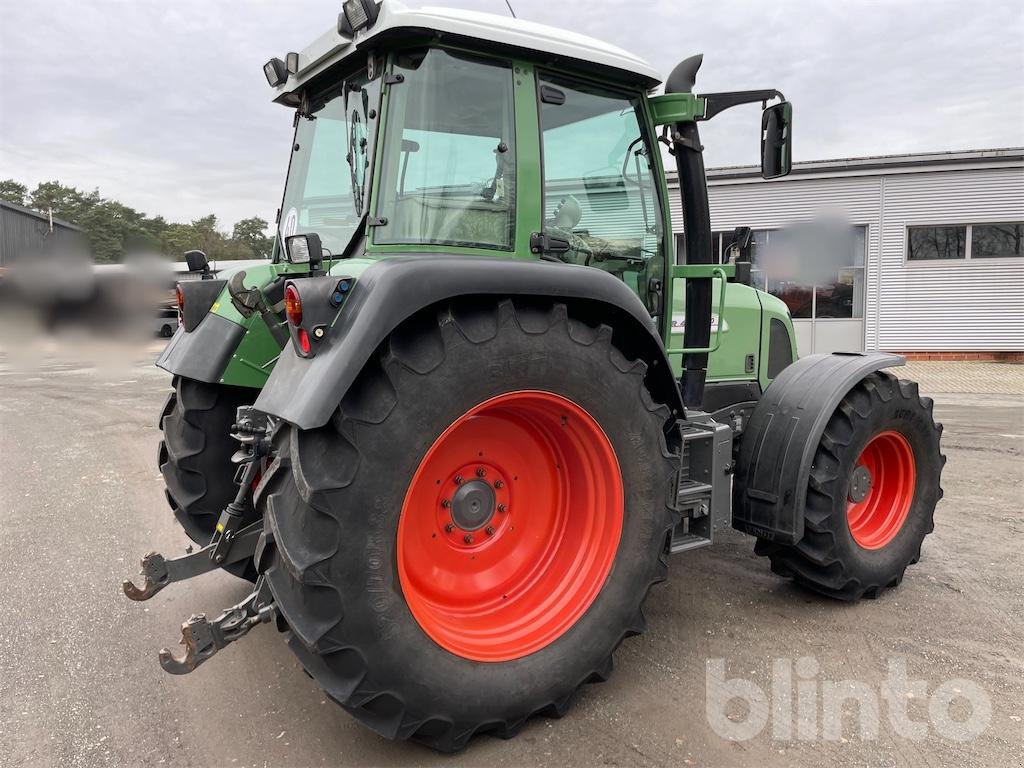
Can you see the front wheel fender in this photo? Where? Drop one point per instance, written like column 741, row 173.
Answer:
column 780, row 440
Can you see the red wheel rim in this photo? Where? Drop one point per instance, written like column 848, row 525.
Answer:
column 501, row 587
column 876, row 519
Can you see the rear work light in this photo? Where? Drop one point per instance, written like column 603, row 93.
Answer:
column 276, row 72
column 293, row 306
column 356, row 15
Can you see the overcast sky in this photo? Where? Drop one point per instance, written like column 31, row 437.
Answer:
column 162, row 104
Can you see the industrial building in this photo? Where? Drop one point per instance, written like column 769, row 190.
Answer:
column 24, row 232
column 939, row 265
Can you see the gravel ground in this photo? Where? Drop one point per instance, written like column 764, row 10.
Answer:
column 81, row 500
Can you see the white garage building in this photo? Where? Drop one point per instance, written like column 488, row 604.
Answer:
column 938, row 262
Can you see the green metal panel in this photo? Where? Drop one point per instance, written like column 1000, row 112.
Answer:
column 252, row 362
column 676, row 108
column 740, row 330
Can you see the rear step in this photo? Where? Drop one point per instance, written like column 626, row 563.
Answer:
column 703, row 493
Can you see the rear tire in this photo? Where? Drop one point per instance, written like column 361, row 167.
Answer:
column 336, row 511
column 857, row 547
column 194, row 457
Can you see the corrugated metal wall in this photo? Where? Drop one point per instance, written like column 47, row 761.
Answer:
column 24, row 234
column 960, row 305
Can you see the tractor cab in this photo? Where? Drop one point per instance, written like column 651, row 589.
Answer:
column 429, row 132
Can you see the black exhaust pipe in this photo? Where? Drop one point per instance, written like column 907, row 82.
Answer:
column 697, row 236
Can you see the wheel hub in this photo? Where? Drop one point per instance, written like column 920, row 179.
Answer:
column 510, row 526
column 860, row 484
column 881, row 490
column 473, row 505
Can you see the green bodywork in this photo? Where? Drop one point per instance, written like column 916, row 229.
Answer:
column 739, row 325
column 253, row 360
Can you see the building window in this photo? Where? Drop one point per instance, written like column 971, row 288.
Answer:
column 837, row 294
column 992, row 241
column 933, row 243
column 965, row 241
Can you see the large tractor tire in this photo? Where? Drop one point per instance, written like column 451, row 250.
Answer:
column 195, row 457
column 474, row 532
column 871, row 498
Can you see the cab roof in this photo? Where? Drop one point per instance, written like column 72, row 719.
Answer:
column 532, row 40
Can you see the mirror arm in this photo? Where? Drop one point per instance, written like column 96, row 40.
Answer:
column 719, row 102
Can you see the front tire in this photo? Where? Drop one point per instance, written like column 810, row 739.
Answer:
column 434, row 622
column 872, row 493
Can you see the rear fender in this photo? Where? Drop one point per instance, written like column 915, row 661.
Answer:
column 305, row 390
column 781, row 438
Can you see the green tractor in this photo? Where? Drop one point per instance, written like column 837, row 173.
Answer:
column 457, row 426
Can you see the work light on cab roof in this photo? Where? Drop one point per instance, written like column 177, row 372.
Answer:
column 356, row 15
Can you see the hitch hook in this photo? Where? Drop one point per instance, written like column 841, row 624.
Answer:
column 158, row 571
column 155, row 574
column 203, row 638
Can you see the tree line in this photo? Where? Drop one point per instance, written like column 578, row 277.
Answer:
column 113, row 229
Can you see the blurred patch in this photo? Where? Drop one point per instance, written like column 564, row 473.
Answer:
column 60, row 306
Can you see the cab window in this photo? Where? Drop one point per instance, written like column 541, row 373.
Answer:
column 599, row 192
column 449, row 153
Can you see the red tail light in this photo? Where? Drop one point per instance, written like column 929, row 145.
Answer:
column 304, row 341
column 293, row 306
column 179, row 297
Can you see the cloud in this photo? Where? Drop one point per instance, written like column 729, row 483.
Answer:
column 164, row 106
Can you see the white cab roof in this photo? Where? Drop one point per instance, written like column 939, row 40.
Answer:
column 549, row 42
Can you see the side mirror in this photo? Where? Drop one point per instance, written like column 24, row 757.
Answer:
column 777, row 140
column 197, row 262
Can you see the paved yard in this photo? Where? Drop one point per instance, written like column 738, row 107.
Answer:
column 81, row 500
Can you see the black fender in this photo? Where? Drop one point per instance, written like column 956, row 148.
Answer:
column 304, row 391
column 198, row 296
column 204, row 353
column 780, row 440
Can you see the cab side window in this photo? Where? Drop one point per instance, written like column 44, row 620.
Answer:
column 449, row 153
column 599, row 189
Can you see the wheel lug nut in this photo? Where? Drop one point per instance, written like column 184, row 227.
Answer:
column 458, row 479
column 489, row 530
column 445, row 503
column 449, row 527
column 480, row 472
column 498, row 484
column 468, row 539
column 503, row 508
